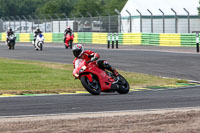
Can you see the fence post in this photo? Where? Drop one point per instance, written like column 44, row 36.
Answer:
column 130, row 21
column 66, row 19
column 163, row 20
column 58, row 22
column 140, row 20
column 32, row 22
column 51, row 22
column 82, row 22
column 151, row 20
column 4, row 21
column 188, row 20
column 37, row 20
column 90, row 15
column 8, row 21
column 20, row 23
column 14, row 22
column 120, row 23
column 26, row 22
column 108, row 21
column 176, row 21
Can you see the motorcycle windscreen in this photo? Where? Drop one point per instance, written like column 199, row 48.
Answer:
column 78, row 65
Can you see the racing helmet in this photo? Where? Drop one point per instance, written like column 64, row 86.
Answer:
column 10, row 29
column 68, row 27
column 78, row 50
column 37, row 29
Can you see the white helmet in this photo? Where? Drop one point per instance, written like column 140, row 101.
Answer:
column 78, row 50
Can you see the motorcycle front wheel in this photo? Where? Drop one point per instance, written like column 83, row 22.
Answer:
column 12, row 44
column 92, row 87
column 123, row 85
column 41, row 47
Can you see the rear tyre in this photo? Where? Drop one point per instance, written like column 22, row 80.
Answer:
column 70, row 43
column 123, row 85
column 92, row 87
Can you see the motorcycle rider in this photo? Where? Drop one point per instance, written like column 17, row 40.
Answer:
column 68, row 30
column 90, row 56
column 36, row 32
column 9, row 33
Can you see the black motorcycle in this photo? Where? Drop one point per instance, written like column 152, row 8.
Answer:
column 11, row 42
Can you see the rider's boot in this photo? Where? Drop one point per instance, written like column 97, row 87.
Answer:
column 114, row 71
column 110, row 68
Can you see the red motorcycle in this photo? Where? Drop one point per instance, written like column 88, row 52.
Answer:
column 69, row 40
column 96, row 80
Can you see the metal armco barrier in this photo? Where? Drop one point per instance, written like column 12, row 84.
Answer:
column 115, row 39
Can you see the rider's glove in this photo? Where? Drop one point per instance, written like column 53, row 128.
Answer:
column 93, row 59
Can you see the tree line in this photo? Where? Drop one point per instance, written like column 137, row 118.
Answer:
column 70, row 8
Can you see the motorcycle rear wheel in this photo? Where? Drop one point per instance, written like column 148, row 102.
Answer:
column 123, row 85
column 70, row 43
column 92, row 87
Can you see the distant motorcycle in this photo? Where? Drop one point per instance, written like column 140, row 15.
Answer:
column 39, row 42
column 69, row 40
column 95, row 80
column 11, row 42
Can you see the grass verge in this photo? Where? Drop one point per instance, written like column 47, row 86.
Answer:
column 19, row 77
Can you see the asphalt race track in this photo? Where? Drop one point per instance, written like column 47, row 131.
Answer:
column 167, row 64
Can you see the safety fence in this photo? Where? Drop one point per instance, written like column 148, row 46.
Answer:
column 159, row 39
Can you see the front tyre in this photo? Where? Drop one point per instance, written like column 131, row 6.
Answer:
column 92, row 87
column 12, row 45
column 123, row 85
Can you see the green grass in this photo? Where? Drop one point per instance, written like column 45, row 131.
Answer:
column 19, row 76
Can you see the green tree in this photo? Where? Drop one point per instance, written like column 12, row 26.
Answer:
column 3, row 8
column 111, row 5
column 84, row 6
column 29, row 7
column 57, row 6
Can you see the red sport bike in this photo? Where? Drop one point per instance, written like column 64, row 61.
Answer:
column 96, row 80
column 69, row 40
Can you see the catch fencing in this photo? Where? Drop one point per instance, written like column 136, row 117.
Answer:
column 131, row 23
column 57, row 25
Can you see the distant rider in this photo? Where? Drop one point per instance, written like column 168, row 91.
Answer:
column 67, row 31
column 36, row 32
column 9, row 33
column 90, row 56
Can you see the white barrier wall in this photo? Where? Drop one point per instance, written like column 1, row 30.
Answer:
column 170, row 22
